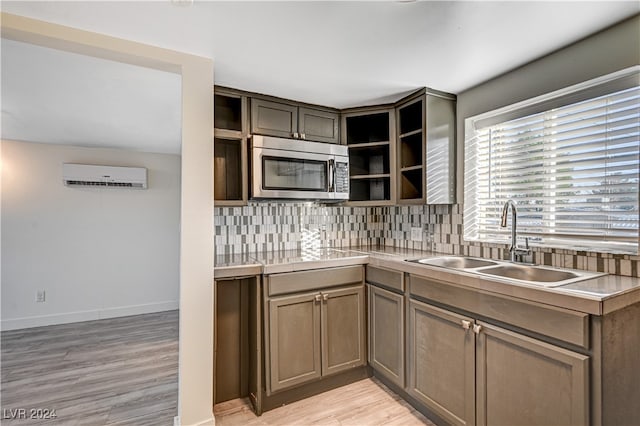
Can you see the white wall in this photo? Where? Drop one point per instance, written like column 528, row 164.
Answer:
column 97, row 252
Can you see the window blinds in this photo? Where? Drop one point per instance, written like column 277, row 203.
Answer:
column 571, row 170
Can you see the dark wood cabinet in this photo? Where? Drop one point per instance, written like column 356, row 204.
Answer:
column 274, row 118
column 343, row 329
column 521, row 380
column 231, row 175
column 441, row 362
column 294, row 340
column 386, row 333
column 289, row 120
column 370, row 137
column 315, row 325
column 426, row 146
column 317, row 125
column 471, row 372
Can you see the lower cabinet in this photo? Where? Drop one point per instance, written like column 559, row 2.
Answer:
column 441, row 362
column 386, row 333
column 294, row 340
column 315, row 334
column 470, row 372
column 521, row 380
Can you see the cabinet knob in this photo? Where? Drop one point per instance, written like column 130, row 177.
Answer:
column 303, row 136
column 318, row 297
column 466, row 324
column 477, row 328
column 325, row 297
column 295, row 135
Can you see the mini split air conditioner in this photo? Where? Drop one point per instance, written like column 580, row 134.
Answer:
column 104, row 176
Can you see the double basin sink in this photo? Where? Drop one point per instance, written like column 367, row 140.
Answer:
column 520, row 273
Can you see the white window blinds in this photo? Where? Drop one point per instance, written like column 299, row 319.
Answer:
column 572, row 171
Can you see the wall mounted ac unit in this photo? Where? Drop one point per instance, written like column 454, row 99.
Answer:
column 104, row 176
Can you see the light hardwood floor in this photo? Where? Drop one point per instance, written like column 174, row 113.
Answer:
column 115, row 371
column 124, row 371
column 364, row 403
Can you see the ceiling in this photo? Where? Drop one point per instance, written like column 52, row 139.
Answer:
column 337, row 54
column 58, row 97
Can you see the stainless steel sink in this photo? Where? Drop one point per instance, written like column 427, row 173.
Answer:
column 530, row 273
column 513, row 272
column 456, row 262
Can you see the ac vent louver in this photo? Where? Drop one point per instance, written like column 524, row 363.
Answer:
column 87, row 175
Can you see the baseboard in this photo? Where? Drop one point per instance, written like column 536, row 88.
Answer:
column 208, row 422
column 78, row 316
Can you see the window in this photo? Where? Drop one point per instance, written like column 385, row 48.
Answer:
column 569, row 161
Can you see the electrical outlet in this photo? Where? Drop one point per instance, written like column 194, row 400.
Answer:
column 416, row 234
column 40, row 296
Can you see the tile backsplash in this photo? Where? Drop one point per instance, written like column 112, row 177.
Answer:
column 287, row 226
column 268, row 226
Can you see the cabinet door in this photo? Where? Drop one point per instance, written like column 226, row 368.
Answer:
column 343, row 329
column 441, row 362
column 294, row 340
column 386, row 333
column 274, row 119
column 521, row 380
column 320, row 126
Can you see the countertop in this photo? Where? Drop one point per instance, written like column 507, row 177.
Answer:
column 595, row 296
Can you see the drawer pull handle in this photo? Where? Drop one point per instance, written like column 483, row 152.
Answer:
column 477, row 328
column 466, row 324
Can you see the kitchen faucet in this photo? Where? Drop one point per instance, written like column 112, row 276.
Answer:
column 514, row 250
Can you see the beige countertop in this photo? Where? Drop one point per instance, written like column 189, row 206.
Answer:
column 595, row 296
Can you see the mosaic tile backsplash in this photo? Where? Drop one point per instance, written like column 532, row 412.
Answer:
column 288, row 226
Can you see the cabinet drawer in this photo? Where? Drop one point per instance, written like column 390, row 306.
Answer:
column 393, row 280
column 558, row 323
column 291, row 282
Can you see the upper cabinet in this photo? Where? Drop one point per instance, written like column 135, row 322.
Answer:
column 441, row 141
column 274, row 119
column 402, row 153
column 411, row 151
column 370, row 136
column 426, row 148
column 292, row 121
column 230, row 181
column 318, row 125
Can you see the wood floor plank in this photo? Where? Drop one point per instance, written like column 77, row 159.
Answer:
column 115, row 371
column 364, row 403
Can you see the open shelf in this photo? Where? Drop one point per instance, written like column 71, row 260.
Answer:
column 411, row 168
column 378, row 176
column 227, row 169
column 368, row 128
column 371, row 189
column 410, row 118
column 411, row 183
column 411, row 153
column 371, row 161
column 228, row 113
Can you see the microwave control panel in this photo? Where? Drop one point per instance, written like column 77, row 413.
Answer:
column 342, row 177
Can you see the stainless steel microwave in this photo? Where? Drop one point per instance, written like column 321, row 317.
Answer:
column 295, row 169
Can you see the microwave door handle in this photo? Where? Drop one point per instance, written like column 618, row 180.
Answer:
column 332, row 177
